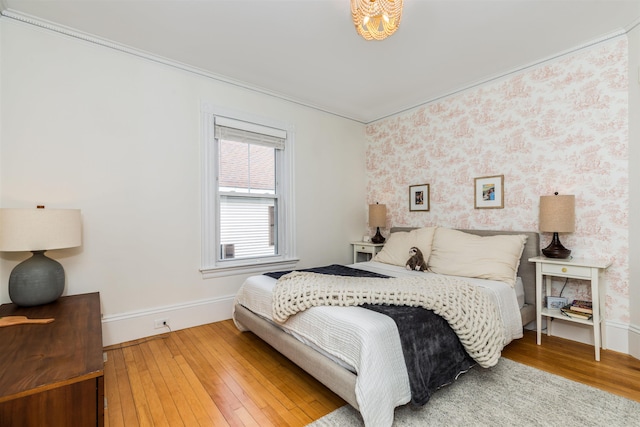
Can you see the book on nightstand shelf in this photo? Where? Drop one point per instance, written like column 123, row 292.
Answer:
column 582, row 306
column 568, row 311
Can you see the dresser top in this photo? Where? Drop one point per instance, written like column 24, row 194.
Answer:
column 35, row 357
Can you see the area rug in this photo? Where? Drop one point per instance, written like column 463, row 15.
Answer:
column 509, row 394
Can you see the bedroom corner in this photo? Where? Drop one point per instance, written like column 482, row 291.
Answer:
column 551, row 127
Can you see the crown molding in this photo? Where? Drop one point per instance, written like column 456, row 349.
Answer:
column 587, row 45
column 77, row 34
column 6, row 12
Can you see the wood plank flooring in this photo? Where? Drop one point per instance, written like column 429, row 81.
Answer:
column 214, row 375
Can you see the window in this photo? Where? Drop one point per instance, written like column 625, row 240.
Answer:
column 247, row 213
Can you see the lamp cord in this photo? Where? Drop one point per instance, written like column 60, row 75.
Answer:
column 564, row 286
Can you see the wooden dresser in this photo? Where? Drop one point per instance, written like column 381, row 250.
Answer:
column 53, row 374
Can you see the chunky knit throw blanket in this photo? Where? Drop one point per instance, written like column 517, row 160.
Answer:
column 470, row 312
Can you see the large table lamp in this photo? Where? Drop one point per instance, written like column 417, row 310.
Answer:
column 39, row 279
column 377, row 218
column 557, row 215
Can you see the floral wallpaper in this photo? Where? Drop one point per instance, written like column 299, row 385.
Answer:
column 560, row 126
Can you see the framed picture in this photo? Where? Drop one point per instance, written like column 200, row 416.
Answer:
column 489, row 192
column 419, row 197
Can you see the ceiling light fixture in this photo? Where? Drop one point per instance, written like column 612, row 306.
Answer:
column 376, row 19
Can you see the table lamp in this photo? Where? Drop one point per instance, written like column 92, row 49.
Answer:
column 557, row 215
column 39, row 279
column 377, row 218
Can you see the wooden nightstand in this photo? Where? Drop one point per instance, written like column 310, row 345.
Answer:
column 367, row 248
column 585, row 269
column 53, row 374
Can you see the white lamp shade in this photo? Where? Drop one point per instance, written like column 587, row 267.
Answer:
column 39, row 229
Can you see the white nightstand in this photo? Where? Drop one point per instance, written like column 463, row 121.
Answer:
column 369, row 249
column 585, row 269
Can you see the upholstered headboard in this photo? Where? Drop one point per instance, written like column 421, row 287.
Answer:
column 526, row 270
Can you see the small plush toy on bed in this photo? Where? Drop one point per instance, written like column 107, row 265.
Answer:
column 416, row 262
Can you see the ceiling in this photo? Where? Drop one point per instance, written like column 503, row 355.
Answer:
column 307, row 51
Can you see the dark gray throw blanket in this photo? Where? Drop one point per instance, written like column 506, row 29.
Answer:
column 432, row 351
column 332, row 270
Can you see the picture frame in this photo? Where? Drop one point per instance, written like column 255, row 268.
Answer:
column 489, row 192
column 419, row 198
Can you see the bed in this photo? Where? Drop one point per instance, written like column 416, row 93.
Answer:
column 357, row 352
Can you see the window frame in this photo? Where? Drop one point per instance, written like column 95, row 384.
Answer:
column 211, row 266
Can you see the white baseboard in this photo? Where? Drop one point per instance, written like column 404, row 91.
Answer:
column 130, row 326
column 140, row 324
column 634, row 341
column 617, row 334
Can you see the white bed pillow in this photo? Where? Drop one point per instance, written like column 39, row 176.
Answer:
column 487, row 257
column 396, row 249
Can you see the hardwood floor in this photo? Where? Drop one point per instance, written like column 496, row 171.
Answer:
column 214, row 375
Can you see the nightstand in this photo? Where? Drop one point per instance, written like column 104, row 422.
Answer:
column 367, row 248
column 584, row 269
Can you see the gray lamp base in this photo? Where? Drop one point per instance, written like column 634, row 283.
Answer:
column 36, row 281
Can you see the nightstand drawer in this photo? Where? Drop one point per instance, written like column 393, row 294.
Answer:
column 567, row 270
column 365, row 249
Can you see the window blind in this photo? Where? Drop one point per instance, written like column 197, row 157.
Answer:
column 251, row 133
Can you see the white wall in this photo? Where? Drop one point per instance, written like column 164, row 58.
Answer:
column 634, row 190
column 118, row 136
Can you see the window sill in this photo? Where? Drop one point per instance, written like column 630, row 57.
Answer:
column 250, row 268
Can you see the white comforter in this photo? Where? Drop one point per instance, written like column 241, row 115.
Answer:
column 365, row 341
